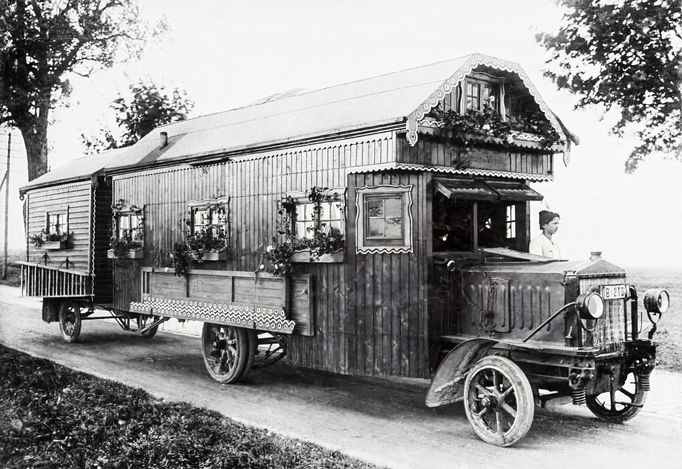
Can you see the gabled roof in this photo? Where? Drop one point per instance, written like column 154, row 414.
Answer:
column 400, row 98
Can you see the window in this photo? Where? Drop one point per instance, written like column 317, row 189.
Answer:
column 384, row 219
column 56, row 223
column 209, row 219
column 511, row 221
column 330, row 219
column 129, row 226
column 481, row 94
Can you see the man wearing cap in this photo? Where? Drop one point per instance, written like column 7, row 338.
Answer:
column 542, row 245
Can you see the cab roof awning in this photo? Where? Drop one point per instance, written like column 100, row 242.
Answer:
column 477, row 189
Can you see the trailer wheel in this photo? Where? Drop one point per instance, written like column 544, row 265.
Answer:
column 498, row 401
column 621, row 405
column 142, row 321
column 70, row 320
column 225, row 350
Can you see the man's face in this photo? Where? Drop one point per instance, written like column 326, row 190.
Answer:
column 552, row 227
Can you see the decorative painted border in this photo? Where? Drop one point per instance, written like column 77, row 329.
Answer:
column 360, row 247
column 266, row 318
column 448, row 85
column 450, row 170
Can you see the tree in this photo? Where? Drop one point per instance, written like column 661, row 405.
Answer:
column 42, row 42
column 626, row 56
column 148, row 107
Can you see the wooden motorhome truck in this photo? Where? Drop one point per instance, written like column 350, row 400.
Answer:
column 375, row 228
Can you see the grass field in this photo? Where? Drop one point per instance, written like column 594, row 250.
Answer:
column 51, row 416
column 669, row 333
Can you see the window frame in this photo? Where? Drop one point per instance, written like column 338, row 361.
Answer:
column 336, row 196
column 366, row 244
column 196, row 205
column 480, row 79
column 60, row 214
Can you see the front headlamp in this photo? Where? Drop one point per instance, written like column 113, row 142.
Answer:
column 656, row 301
column 590, row 305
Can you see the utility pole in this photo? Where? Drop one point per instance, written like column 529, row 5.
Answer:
column 6, row 181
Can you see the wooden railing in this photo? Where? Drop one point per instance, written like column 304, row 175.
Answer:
column 46, row 281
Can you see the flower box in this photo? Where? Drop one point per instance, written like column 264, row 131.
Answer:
column 54, row 245
column 304, row 256
column 131, row 254
column 215, row 256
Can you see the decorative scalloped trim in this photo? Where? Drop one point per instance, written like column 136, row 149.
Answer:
column 266, row 318
column 403, row 189
column 448, row 85
column 386, row 250
column 449, row 170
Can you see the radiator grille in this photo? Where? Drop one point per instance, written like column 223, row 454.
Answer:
column 609, row 332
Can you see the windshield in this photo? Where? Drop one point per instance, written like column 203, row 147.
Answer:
column 468, row 225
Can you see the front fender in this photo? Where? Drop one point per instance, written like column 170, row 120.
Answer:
column 447, row 385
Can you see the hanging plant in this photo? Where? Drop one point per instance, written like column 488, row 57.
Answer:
column 488, row 123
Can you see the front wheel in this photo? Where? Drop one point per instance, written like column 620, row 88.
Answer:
column 498, row 400
column 70, row 320
column 619, row 405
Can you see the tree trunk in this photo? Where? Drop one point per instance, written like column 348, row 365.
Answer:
column 35, row 139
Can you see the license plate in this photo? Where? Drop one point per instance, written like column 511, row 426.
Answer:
column 613, row 292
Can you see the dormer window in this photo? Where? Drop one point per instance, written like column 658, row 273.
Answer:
column 481, row 94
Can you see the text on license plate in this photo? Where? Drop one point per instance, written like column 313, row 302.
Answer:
column 613, row 292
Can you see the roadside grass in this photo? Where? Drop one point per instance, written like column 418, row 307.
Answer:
column 668, row 335
column 13, row 277
column 51, row 416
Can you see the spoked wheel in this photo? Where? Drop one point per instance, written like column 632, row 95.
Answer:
column 226, row 351
column 143, row 321
column 271, row 348
column 619, row 405
column 498, row 401
column 70, row 320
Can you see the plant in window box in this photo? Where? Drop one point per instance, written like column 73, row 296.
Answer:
column 125, row 248
column 472, row 125
column 202, row 246
column 51, row 241
column 323, row 242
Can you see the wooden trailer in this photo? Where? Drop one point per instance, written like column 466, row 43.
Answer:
column 334, row 226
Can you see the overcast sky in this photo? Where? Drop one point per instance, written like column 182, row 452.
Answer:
column 226, row 54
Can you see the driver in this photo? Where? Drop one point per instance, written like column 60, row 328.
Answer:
column 543, row 245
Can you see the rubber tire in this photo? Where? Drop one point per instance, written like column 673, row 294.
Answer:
column 236, row 372
column 142, row 321
column 618, row 416
column 70, row 334
column 523, row 394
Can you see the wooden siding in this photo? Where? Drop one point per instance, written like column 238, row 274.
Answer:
column 430, row 151
column 77, row 198
column 254, row 184
column 103, row 279
column 385, row 323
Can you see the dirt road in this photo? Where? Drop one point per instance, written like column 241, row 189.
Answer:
column 379, row 421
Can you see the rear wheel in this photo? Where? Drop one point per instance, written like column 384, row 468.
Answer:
column 619, row 405
column 143, row 321
column 226, row 351
column 70, row 320
column 498, row 401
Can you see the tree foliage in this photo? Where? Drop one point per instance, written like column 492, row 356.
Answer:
column 147, row 107
column 626, row 56
column 43, row 42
